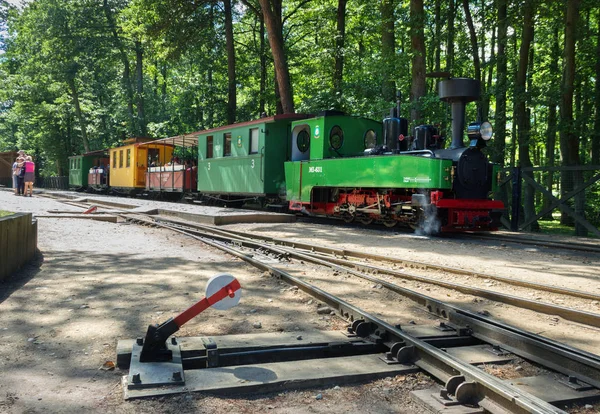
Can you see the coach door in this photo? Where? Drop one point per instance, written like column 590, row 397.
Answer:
column 142, row 156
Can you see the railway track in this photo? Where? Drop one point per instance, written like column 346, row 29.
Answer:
column 587, row 247
column 499, row 238
column 464, row 383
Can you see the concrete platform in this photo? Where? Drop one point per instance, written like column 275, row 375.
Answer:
column 265, row 376
column 242, row 342
column 278, row 376
column 196, row 213
column 232, row 217
column 95, row 217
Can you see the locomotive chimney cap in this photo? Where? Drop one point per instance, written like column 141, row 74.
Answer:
column 459, row 90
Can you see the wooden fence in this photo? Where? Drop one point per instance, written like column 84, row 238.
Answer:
column 534, row 193
column 18, row 242
column 52, row 183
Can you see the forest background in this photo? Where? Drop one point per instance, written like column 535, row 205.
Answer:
column 81, row 75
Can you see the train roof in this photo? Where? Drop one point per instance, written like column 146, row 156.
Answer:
column 190, row 140
column 275, row 118
column 187, row 140
column 98, row 153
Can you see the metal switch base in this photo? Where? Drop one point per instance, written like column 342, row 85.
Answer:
column 155, row 374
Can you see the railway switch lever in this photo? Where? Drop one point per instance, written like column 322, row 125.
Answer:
column 155, row 360
column 222, row 292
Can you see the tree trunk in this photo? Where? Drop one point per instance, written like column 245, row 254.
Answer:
column 163, row 86
column 388, row 50
column 140, row 88
column 475, row 51
column 438, row 36
column 596, row 134
column 552, row 127
column 210, row 116
column 272, row 15
column 417, row 39
column 485, row 106
column 521, row 114
column 79, row 113
column 263, row 68
column 231, row 79
column 569, row 142
column 499, row 142
column 210, row 100
column 126, row 79
column 450, row 38
column 338, row 74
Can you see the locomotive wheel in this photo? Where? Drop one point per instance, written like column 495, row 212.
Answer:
column 366, row 220
column 348, row 218
column 389, row 223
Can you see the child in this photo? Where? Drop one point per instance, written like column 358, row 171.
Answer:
column 29, row 176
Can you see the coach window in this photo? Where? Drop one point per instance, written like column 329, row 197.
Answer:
column 209, row 147
column 121, row 159
column 128, row 158
column 114, row 159
column 254, row 141
column 227, row 144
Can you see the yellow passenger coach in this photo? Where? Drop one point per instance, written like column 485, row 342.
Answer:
column 129, row 163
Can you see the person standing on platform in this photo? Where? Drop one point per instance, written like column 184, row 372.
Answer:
column 15, row 175
column 20, row 176
column 29, row 176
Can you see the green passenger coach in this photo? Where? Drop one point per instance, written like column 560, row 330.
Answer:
column 81, row 167
column 245, row 160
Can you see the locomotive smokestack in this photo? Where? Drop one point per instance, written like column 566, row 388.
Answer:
column 458, row 92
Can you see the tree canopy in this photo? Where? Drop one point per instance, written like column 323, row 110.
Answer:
column 80, row 75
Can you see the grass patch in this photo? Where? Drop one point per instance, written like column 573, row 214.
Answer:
column 5, row 213
column 554, row 227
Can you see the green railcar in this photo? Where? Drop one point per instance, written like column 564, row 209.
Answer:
column 245, row 160
column 81, row 167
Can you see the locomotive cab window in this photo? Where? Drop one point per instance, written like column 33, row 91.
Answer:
column 370, row 139
column 254, row 141
column 209, row 147
column 303, row 141
column 128, row 164
column 227, row 144
column 336, row 137
column 114, row 154
column 121, row 159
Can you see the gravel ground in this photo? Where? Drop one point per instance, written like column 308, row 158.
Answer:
column 96, row 283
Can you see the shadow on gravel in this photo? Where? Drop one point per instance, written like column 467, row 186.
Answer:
column 20, row 278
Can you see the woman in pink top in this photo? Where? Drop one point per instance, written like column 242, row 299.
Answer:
column 29, row 175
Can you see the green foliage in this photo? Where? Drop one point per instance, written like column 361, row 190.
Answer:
column 53, row 48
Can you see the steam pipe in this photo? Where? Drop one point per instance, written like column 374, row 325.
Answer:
column 458, row 124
